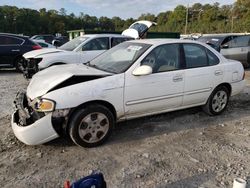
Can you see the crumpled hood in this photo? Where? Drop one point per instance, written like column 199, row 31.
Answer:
column 51, row 77
column 35, row 53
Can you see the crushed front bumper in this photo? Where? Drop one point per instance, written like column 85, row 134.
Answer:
column 31, row 67
column 29, row 127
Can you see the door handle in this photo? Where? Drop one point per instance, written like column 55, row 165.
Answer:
column 177, row 78
column 218, row 72
column 15, row 50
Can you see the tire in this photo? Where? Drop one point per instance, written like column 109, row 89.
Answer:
column 217, row 102
column 19, row 64
column 91, row 125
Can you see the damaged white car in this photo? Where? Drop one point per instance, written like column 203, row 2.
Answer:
column 133, row 79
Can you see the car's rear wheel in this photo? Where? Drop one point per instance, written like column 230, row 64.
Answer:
column 91, row 126
column 217, row 101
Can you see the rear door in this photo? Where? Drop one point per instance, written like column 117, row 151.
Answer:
column 93, row 48
column 10, row 48
column 203, row 73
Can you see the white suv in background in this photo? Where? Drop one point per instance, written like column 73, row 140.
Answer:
column 90, row 47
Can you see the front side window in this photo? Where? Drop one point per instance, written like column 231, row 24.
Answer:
column 163, row 58
column 119, row 58
column 97, row 44
column 195, row 56
column 239, row 41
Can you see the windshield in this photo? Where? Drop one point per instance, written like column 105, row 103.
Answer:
column 119, row 58
column 71, row 45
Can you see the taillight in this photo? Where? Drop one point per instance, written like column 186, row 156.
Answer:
column 36, row 47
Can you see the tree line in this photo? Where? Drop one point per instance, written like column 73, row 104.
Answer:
column 197, row 18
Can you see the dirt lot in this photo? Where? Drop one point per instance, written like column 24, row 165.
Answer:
column 180, row 149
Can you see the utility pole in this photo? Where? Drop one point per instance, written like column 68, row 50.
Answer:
column 186, row 25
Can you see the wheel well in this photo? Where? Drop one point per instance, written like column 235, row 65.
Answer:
column 100, row 102
column 228, row 86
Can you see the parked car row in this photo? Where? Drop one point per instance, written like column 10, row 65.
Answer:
column 81, row 49
column 133, row 79
column 109, row 78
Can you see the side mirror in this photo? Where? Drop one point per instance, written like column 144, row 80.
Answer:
column 56, row 43
column 143, row 70
column 224, row 46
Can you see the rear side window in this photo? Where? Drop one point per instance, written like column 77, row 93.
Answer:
column 6, row 40
column 195, row 56
column 97, row 44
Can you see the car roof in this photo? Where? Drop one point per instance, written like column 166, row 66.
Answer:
column 14, row 35
column 105, row 35
column 163, row 41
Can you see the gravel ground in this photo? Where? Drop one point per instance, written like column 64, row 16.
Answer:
column 186, row 148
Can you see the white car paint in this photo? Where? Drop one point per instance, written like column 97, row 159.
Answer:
column 131, row 96
column 131, row 31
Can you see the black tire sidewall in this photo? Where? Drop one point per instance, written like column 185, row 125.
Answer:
column 79, row 115
column 220, row 88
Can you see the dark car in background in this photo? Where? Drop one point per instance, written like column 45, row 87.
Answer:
column 12, row 48
column 57, row 41
column 231, row 46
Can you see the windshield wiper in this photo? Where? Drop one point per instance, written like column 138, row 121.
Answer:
column 91, row 65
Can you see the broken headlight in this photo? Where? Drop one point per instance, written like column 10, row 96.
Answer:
column 45, row 105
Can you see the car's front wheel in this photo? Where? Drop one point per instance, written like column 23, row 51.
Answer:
column 91, row 125
column 217, row 101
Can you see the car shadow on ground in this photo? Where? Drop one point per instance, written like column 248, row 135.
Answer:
column 193, row 181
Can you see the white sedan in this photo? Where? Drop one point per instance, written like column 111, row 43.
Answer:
column 134, row 79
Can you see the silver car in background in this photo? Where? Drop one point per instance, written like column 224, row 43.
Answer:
column 231, row 46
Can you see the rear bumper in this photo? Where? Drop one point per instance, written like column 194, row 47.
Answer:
column 29, row 127
column 238, row 87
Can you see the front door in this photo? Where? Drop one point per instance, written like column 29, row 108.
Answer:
column 160, row 91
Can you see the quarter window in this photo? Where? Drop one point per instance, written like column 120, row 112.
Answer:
column 195, row 56
column 163, row 58
column 212, row 58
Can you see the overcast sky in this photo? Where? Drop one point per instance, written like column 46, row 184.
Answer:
column 109, row 8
